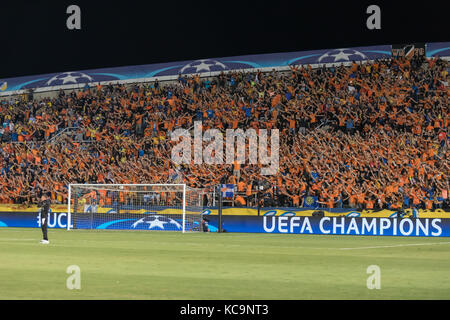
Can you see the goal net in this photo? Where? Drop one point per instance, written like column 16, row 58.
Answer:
column 170, row 207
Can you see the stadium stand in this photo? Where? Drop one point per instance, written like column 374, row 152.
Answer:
column 371, row 135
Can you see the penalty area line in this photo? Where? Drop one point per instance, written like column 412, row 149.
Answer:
column 397, row 245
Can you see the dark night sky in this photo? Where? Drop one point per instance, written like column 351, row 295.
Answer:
column 34, row 38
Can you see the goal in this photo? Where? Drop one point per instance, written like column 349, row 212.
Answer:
column 168, row 207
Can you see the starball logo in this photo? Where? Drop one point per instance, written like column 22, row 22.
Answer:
column 237, row 141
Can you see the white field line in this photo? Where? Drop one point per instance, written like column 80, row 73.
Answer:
column 397, row 245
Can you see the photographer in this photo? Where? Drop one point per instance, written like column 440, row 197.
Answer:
column 205, row 225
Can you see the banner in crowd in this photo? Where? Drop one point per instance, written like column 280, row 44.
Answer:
column 408, row 50
column 227, row 190
column 78, row 79
column 274, row 60
column 311, row 202
column 429, row 227
column 435, row 49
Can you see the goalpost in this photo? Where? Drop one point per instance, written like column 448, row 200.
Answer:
column 170, row 207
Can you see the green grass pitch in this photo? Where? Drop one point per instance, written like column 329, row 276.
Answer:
column 199, row 266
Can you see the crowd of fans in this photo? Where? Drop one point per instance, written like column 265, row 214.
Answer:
column 370, row 135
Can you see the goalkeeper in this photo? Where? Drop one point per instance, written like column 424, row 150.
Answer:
column 44, row 204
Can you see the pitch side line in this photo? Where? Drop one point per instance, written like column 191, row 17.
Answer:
column 397, row 245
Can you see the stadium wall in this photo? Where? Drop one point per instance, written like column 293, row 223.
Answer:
column 204, row 67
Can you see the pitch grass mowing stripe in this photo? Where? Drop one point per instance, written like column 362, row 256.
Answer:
column 171, row 265
column 18, row 239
